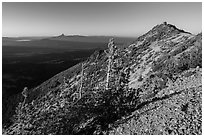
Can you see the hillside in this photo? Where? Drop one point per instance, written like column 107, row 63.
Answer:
column 156, row 88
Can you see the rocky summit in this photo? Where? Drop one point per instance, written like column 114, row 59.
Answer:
column 152, row 86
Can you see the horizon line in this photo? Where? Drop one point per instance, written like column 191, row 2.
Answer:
column 71, row 35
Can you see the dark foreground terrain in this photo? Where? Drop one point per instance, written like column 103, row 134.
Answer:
column 159, row 91
column 29, row 61
column 30, row 71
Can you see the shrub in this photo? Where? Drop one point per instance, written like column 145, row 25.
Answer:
column 140, row 78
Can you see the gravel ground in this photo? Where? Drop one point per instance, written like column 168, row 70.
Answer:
column 176, row 110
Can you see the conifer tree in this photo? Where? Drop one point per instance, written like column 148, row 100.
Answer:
column 111, row 53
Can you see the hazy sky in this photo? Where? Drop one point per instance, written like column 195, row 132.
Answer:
column 119, row 19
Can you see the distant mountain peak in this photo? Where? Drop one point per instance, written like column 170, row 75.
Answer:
column 62, row 35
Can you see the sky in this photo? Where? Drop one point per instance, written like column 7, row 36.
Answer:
column 96, row 19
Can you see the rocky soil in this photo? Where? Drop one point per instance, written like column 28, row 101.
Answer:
column 175, row 110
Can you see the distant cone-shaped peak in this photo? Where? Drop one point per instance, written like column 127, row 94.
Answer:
column 62, row 35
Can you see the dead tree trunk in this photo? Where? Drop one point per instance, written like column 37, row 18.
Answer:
column 25, row 95
column 81, row 82
column 108, row 72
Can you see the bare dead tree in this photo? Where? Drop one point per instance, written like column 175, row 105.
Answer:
column 20, row 111
column 25, row 95
column 81, row 81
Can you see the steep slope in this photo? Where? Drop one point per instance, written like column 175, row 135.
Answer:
column 164, row 95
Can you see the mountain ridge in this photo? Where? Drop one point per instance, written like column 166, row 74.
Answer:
column 157, row 61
